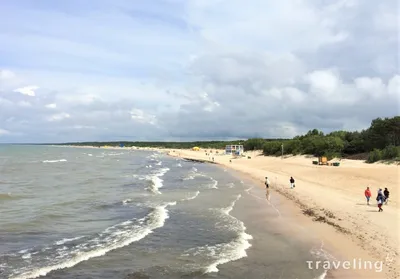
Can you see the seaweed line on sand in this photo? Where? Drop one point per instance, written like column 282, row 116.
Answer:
column 323, row 215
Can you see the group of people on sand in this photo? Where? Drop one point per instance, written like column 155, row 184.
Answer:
column 291, row 180
column 382, row 197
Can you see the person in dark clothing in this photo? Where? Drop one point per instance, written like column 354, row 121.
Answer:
column 292, row 185
column 386, row 194
column 380, row 199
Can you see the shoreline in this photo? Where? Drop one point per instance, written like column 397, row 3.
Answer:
column 338, row 234
column 323, row 206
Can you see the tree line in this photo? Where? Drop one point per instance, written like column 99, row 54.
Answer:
column 381, row 141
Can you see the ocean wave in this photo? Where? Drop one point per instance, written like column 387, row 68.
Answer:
column 191, row 197
column 66, row 240
column 156, row 181
column 189, row 177
column 126, row 201
column 192, row 174
column 153, row 157
column 54, row 161
column 113, row 154
column 225, row 252
column 112, row 238
column 213, row 184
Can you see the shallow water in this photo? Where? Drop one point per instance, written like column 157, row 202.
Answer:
column 97, row 213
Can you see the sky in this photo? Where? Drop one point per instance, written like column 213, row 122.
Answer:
column 183, row 70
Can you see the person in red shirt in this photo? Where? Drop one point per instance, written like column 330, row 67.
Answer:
column 367, row 193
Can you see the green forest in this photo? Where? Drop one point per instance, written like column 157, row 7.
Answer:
column 381, row 141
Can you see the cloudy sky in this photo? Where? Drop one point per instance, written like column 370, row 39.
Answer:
column 194, row 69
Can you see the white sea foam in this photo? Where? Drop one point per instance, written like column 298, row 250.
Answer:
column 228, row 209
column 225, row 252
column 54, row 161
column 114, row 154
column 179, row 165
column 159, row 163
column 192, row 174
column 110, row 239
column 230, row 185
column 126, row 201
column 23, row 251
column 153, row 157
column 192, row 197
column 189, row 177
column 213, row 184
column 321, row 253
column 232, row 251
column 156, row 181
column 66, row 240
column 248, row 190
column 27, row 256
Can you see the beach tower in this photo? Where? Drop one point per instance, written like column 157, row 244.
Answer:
column 196, row 148
column 234, row 150
column 121, row 145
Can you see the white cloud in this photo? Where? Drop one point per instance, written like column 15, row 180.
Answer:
column 209, row 105
column 323, row 82
column 4, row 132
column 394, row 86
column 58, row 117
column 27, row 90
column 51, row 106
column 142, row 117
column 268, row 68
column 6, row 74
column 79, row 127
column 282, row 25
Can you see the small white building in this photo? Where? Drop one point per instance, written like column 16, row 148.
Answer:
column 234, row 149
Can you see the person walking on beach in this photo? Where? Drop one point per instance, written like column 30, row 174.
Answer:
column 292, row 185
column 367, row 194
column 386, row 194
column 380, row 199
column 267, row 182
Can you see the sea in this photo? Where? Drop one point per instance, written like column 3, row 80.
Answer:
column 119, row 213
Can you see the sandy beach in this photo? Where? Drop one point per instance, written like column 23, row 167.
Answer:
column 331, row 199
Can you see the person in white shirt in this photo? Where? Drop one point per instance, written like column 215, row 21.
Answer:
column 267, row 182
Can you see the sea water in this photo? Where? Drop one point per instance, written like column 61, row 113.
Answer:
column 117, row 213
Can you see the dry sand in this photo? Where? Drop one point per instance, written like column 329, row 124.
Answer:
column 333, row 197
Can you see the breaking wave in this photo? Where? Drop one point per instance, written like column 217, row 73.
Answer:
column 54, row 161
column 67, row 253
